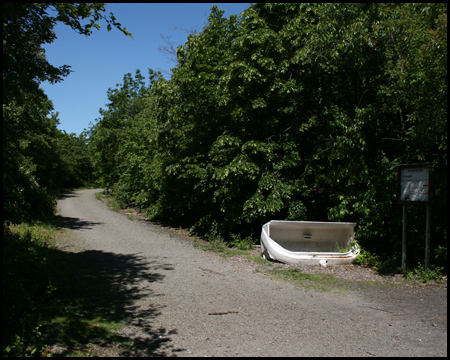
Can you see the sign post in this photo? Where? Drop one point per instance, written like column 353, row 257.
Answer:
column 414, row 186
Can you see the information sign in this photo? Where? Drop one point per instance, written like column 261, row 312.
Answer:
column 413, row 184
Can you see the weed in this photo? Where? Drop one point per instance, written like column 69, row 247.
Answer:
column 320, row 282
column 22, row 347
column 113, row 204
column 217, row 245
column 366, row 258
column 259, row 260
column 214, row 234
column 109, row 201
column 433, row 273
column 242, row 244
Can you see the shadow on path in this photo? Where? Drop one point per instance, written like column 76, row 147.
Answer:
column 103, row 305
column 75, row 223
column 68, row 194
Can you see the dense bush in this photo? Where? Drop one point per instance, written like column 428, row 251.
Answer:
column 288, row 111
column 27, row 286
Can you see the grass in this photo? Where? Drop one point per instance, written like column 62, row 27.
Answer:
column 41, row 297
column 319, row 282
column 219, row 247
column 110, row 201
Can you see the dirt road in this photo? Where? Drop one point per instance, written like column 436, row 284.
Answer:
column 180, row 300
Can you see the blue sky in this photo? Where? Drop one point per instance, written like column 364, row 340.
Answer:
column 101, row 60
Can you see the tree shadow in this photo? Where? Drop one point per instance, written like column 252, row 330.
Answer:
column 67, row 194
column 75, row 223
column 105, row 301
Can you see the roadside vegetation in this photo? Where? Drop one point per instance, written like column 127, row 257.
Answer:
column 247, row 248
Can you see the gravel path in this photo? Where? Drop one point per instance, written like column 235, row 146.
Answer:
column 182, row 301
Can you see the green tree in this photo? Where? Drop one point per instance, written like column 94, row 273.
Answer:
column 194, row 120
column 113, row 139
column 290, row 111
column 27, row 26
column 27, row 131
column 27, row 122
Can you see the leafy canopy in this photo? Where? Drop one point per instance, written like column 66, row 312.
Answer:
column 289, row 111
column 36, row 155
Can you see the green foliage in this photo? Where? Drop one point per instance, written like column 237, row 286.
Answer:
column 19, row 346
column 27, row 284
column 242, row 244
column 37, row 157
column 288, row 111
column 120, row 140
column 440, row 257
column 366, row 258
column 26, row 26
column 433, row 273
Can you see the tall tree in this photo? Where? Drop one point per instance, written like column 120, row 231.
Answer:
column 109, row 136
column 26, row 27
column 299, row 112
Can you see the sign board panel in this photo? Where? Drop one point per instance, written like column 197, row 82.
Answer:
column 413, row 184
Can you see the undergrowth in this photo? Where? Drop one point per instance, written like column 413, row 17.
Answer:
column 216, row 243
column 28, row 284
column 426, row 276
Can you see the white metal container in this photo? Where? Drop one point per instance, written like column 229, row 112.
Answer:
column 309, row 242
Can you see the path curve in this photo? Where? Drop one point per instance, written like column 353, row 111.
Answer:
column 192, row 303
